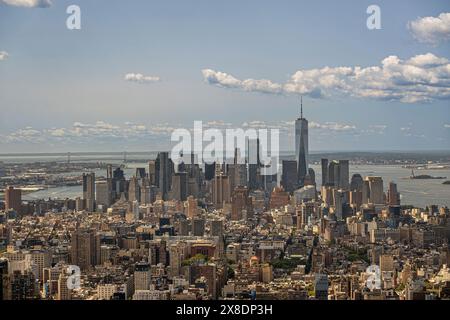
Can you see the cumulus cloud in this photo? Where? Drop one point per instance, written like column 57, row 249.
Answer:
column 28, row 3
column 422, row 78
column 3, row 55
column 432, row 30
column 140, row 78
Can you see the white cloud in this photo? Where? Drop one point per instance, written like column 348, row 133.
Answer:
column 3, row 55
column 432, row 30
column 447, row 125
column 140, row 78
column 422, row 78
column 28, row 3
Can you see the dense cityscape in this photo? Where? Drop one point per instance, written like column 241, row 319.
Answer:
column 222, row 230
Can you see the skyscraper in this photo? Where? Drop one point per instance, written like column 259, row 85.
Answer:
column 301, row 146
column 85, row 248
column 89, row 190
column 13, row 199
column 289, row 175
column 254, row 163
column 164, row 169
column 324, row 164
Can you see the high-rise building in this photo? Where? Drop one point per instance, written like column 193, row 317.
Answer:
column 393, row 197
column 134, row 192
column 13, row 199
column 210, row 170
column 179, row 186
column 356, row 183
column 241, row 201
column 103, row 192
column 376, row 194
column 89, row 191
column 321, row 287
column 216, row 228
column 142, row 276
column 191, row 207
column 198, row 227
column 254, row 164
column 301, row 146
column 164, row 170
column 337, row 174
column 85, row 248
column 324, row 166
column 5, row 289
column 289, row 175
column 221, row 190
column 152, row 172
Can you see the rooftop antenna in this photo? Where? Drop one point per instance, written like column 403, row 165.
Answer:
column 301, row 107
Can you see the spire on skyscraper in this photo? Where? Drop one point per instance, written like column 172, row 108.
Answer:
column 301, row 107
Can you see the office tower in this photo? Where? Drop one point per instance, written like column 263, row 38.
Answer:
column 321, row 287
column 152, row 172
column 177, row 253
column 89, row 191
column 386, row 263
column 164, row 170
column 157, row 252
column 146, row 192
column 254, row 163
column 41, row 259
column 301, row 146
column 289, row 175
column 103, row 192
column 356, row 199
column 198, row 227
column 365, row 192
column 356, row 183
column 393, row 195
column 142, row 276
column 140, row 173
column 340, row 197
column 179, row 186
column 240, row 202
column 134, row 192
column 376, row 195
column 13, row 199
column 5, row 289
column 119, row 184
column 324, row 167
column 221, row 190
column 216, row 228
column 343, row 181
column 337, row 174
column 210, row 170
column 85, row 248
column 64, row 293
column 24, row 285
column 183, row 227
column 311, row 177
column 191, row 207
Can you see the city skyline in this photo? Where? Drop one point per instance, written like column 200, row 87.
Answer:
column 229, row 70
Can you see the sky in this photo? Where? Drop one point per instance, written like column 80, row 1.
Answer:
column 137, row 70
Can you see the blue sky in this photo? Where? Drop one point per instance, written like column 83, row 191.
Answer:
column 64, row 90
